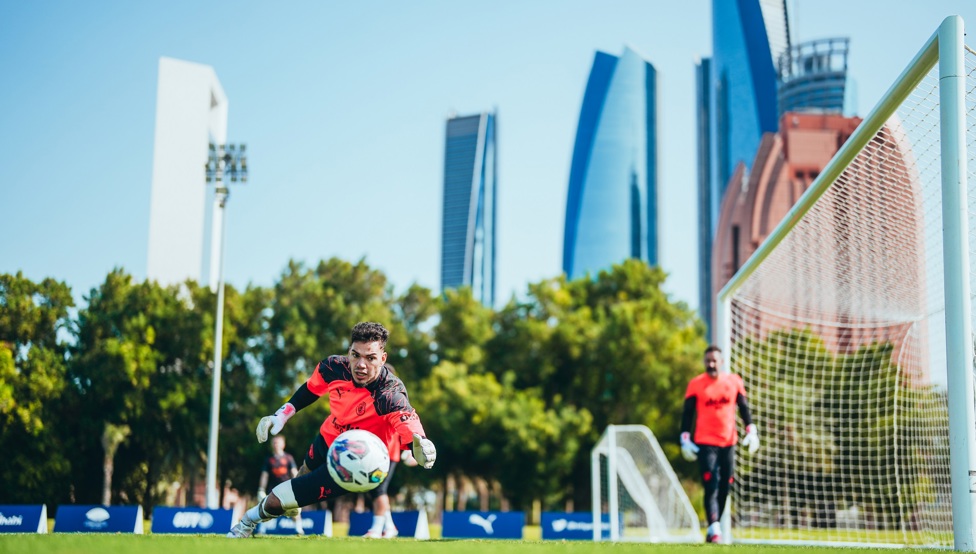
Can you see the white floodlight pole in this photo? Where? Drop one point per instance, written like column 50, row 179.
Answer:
column 955, row 235
column 213, row 493
column 222, row 159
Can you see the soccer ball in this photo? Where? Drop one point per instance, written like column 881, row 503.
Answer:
column 358, row 460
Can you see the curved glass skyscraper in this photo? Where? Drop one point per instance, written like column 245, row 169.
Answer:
column 468, row 225
column 611, row 208
column 737, row 98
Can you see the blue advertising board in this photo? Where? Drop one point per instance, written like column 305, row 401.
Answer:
column 411, row 524
column 98, row 519
column 23, row 518
column 482, row 525
column 167, row 519
column 572, row 526
column 317, row 522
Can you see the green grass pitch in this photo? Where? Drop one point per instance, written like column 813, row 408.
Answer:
column 93, row 543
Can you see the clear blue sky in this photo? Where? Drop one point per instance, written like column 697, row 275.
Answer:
column 342, row 106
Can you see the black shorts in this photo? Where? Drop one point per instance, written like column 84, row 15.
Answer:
column 318, row 453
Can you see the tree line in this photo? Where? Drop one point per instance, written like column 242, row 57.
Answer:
column 109, row 402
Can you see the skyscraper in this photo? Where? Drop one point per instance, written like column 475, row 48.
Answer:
column 468, row 244
column 191, row 113
column 737, row 96
column 611, row 206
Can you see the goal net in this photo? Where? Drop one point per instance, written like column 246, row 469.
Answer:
column 838, row 326
column 636, row 494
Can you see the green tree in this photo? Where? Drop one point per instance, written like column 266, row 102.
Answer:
column 410, row 346
column 32, row 381
column 485, row 429
column 615, row 347
column 139, row 360
column 246, row 322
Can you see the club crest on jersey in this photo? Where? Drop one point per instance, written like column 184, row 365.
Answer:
column 361, row 408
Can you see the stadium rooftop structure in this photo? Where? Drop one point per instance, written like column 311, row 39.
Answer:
column 813, row 76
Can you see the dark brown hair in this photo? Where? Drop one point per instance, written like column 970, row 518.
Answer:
column 368, row 331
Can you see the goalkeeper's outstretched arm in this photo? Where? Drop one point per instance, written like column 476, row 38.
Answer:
column 274, row 423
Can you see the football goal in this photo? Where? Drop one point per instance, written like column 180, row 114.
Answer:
column 852, row 328
column 636, row 494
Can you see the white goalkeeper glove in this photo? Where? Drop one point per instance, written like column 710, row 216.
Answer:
column 751, row 441
column 424, row 451
column 689, row 450
column 275, row 422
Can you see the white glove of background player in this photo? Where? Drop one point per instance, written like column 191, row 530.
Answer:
column 751, row 440
column 424, row 451
column 275, row 422
column 689, row 450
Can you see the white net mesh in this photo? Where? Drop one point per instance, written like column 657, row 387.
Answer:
column 646, row 498
column 840, row 338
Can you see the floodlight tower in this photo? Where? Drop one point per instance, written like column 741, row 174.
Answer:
column 230, row 162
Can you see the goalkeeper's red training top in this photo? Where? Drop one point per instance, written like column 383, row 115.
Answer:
column 380, row 407
column 715, row 403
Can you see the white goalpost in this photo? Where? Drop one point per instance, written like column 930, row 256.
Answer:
column 636, row 492
column 852, row 328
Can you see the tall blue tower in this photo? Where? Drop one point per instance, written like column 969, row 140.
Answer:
column 468, row 246
column 737, row 103
column 611, row 206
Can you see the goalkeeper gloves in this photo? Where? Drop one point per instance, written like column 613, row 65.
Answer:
column 689, row 450
column 275, row 422
column 751, row 440
column 424, row 451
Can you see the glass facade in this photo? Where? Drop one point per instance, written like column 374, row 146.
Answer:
column 707, row 208
column 737, row 93
column 611, row 205
column 468, row 246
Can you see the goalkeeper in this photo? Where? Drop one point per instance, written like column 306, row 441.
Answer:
column 363, row 394
column 710, row 401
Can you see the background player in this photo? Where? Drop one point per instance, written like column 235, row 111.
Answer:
column 710, row 401
column 278, row 467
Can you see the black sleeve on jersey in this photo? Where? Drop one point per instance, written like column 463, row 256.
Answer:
column 688, row 414
column 744, row 412
column 302, row 397
column 392, row 397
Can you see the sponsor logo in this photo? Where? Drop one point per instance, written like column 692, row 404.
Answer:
column 192, row 520
column 11, row 520
column 484, row 523
column 561, row 525
column 717, row 401
column 97, row 518
column 289, row 523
